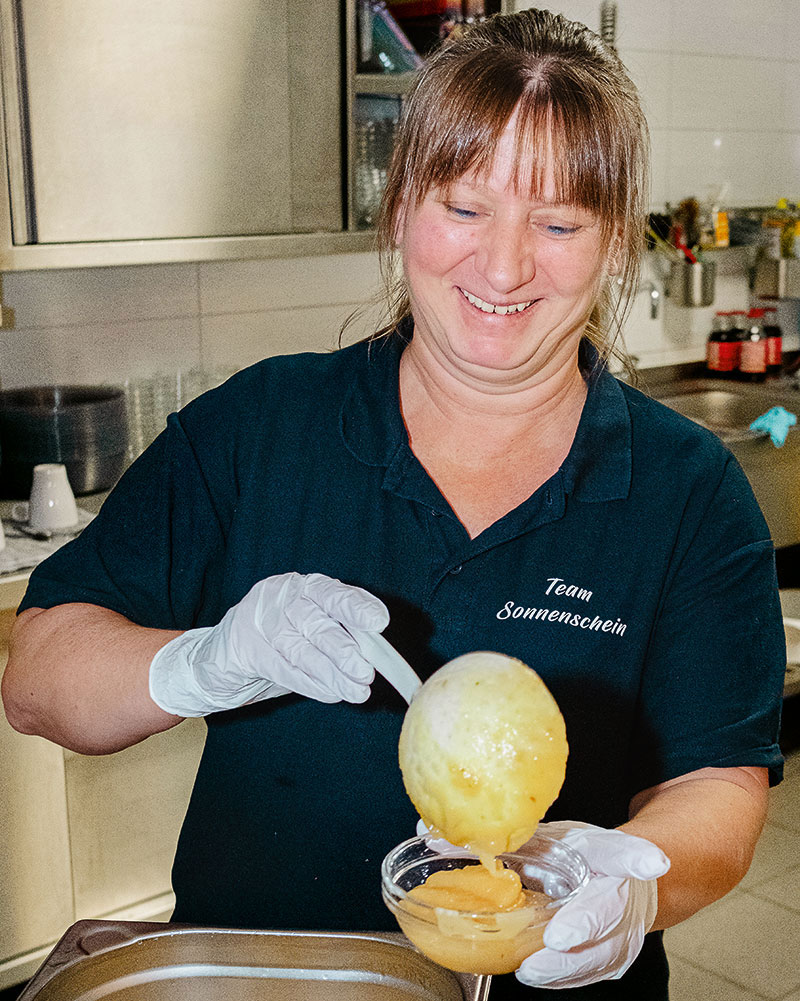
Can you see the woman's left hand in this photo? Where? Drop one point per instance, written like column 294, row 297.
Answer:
column 599, row 934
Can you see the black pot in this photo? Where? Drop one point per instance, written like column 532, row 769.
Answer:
column 83, row 427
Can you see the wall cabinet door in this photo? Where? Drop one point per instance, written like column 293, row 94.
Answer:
column 125, row 812
column 148, row 120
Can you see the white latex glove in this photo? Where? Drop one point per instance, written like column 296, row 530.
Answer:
column 599, row 934
column 288, row 634
column 440, row 845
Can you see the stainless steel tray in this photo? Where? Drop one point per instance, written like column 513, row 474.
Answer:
column 147, row 961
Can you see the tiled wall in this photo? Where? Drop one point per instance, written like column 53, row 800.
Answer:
column 110, row 324
column 721, row 83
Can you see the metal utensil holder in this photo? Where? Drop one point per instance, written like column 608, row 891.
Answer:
column 692, row 284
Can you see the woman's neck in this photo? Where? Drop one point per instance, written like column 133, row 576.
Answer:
column 499, row 411
column 486, row 449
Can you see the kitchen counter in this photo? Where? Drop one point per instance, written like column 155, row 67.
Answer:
column 13, row 585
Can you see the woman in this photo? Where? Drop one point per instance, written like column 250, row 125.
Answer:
column 480, row 471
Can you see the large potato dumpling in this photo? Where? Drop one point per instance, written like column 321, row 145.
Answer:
column 483, row 752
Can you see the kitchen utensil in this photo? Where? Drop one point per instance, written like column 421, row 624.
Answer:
column 692, row 283
column 387, row 662
column 51, row 507
column 84, row 428
column 148, row 961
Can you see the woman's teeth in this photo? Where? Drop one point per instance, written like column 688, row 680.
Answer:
column 488, row 307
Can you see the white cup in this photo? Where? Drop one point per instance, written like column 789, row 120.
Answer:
column 52, row 506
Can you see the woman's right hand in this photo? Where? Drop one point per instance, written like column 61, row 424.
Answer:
column 288, row 634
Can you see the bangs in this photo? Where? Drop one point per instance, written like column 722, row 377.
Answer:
column 562, row 126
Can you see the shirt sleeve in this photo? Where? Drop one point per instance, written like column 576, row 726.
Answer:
column 711, row 691
column 154, row 551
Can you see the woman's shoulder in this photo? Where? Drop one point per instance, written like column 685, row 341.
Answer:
column 312, row 368
column 282, row 385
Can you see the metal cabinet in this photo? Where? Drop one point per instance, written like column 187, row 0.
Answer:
column 154, row 130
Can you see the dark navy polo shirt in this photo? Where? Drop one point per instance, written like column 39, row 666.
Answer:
column 638, row 581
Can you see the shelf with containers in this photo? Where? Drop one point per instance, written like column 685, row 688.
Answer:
column 386, row 45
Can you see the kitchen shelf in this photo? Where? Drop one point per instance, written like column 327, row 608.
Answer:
column 373, row 104
column 383, row 83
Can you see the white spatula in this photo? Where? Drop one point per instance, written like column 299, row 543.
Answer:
column 387, row 662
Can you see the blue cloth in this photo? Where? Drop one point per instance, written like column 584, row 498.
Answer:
column 776, row 423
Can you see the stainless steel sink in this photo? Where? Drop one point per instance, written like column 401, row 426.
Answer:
column 726, row 413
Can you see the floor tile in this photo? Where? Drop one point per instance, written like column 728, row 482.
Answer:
column 785, row 890
column 791, row 767
column 745, row 939
column 691, row 983
column 784, row 803
column 777, row 851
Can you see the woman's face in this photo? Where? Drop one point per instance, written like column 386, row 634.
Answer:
column 501, row 286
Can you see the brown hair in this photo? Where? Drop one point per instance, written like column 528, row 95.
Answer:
column 571, row 89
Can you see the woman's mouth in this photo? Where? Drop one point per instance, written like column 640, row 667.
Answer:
column 492, row 307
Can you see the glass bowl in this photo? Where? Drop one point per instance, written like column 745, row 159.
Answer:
column 480, row 943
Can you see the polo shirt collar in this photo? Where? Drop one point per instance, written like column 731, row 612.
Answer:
column 597, row 468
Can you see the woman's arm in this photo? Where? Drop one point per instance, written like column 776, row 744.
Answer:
column 707, row 822
column 78, row 675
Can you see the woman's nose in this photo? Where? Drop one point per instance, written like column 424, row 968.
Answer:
column 505, row 257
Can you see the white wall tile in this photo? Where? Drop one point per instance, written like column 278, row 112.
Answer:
column 248, row 286
column 790, row 118
column 721, row 92
column 643, row 24
column 651, row 72
column 97, row 354
column 702, row 161
column 97, row 295
column 786, row 157
column 244, row 338
column 660, row 147
column 734, row 27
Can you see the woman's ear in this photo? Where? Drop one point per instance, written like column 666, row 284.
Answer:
column 399, row 228
column 614, row 255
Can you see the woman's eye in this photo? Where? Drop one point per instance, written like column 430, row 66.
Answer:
column 461, row 213
column 555, row 230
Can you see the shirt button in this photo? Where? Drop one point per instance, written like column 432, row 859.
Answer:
column 457, row 569
column 436, row 514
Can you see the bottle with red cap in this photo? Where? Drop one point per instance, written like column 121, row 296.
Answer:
column 722, row 347
column 753, row 353
column 774, row 337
